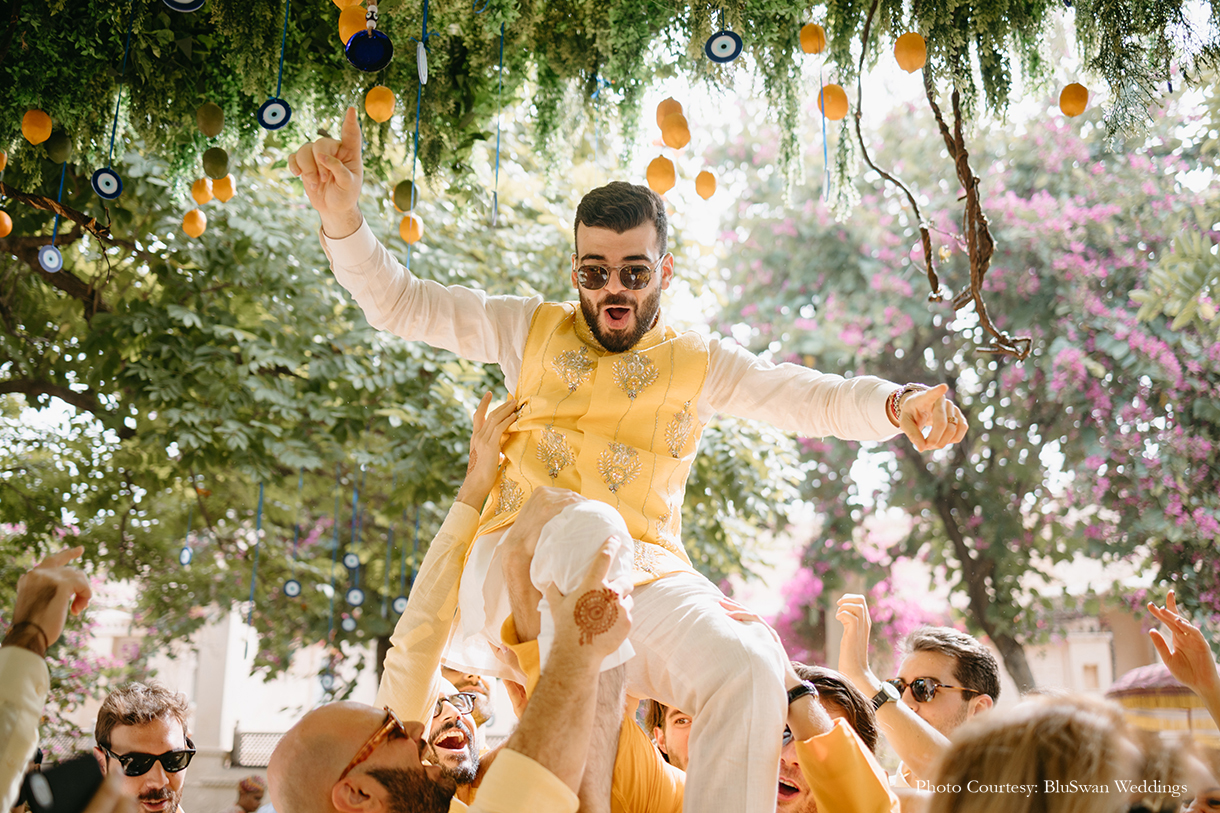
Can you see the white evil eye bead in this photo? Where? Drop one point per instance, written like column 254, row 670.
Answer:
column 328, row 682
column 723, row 46
column 185, row 556
column 351, row 561
column 184, row 6
column 50, row 259
column 421, row 61
column 107, row 183
column 355, row 597
column 274, row 114
column 400, row 605
column 348, row 624
column 292, row 588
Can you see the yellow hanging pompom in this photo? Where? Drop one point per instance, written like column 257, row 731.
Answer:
column 379, row 103
column 1073, row 99
column 705, row 184
column 411, row 229
column 832, row 101
column 675, row 132
column 194, row 223
column 661, row 175
column 36, row 126
column 201, row 191
column 342, row 4
column 911, row 52
column 667, row 108
column 813, row 38
column 351, row 21
column 3, row 160
column 223, row 188
column 6, row 224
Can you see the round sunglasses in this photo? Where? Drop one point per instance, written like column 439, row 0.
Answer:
column 138, row 764
column 632, row 276
column 924, row 689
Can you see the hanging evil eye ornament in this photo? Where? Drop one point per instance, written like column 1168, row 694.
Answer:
column 369, row 50
column 292, row 588
column 50, row 259
column 400, row 605
column 351, row 561
column 355, row 597
column 328, row 682
column 723, row 46
column 421, row 62
column 276, row 112
column 184, row 6
column 348, row 624
column 185, row 556
column 107, row 183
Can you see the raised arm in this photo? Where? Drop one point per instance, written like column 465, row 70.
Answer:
column 1190, row 660
column 411, row 677
column 333, row 174
column 918, row 744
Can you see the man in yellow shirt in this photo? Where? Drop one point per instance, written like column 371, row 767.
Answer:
column 351, row 758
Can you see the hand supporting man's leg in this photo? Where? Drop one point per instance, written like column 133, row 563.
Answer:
column 596, row 784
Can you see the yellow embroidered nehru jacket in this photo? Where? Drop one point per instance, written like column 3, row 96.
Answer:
column 615, row 427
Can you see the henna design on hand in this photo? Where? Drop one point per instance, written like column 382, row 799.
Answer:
column 474, row 459
column 595, row 613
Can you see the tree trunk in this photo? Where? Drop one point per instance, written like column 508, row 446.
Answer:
column 1015, row 661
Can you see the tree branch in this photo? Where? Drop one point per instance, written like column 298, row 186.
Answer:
column 925, row 235
column 26, row 249
column 85, row 400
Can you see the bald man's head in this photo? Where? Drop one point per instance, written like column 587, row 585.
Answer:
column 303, row 774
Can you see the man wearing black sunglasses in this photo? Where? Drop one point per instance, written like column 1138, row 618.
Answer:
column 613, row 402
column 141, row 736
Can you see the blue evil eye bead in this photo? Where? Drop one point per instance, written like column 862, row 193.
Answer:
column 400, row 605
column 328, row 682
column 348, row 624
column 355, row 597
column 351, row 561
column 274, row 114
column 184, row 6
column 421, row 62
column 369, row 51
column 185, row 556
column 292, row 588
column 723, row 46
column 107, row 183
column 50, row 259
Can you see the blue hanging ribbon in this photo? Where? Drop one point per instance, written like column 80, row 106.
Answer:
column 258, row 530
column 296, row 525
column 114, row 128
column 825, row 150
column 495, row 192
column 389, row 554
column 415, row 547
column 55, row 229
column 334, row 558
column 419, row 94
column 283, row 42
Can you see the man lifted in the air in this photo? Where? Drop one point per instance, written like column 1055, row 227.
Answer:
column 612, row 405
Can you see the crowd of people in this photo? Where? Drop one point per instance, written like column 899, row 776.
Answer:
column 560, row 571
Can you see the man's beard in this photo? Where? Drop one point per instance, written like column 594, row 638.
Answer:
column 411, row 791
column 162, row 794
column 621, row 340
column 465, row 772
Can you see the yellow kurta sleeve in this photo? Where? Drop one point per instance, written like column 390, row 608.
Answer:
column 643, row 781
column 410, row 681
column 518, row 784
column 843, row 775
column 528, row 657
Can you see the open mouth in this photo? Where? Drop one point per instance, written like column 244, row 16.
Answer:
column 454, row 740
column 617, row 317
column 787, row 790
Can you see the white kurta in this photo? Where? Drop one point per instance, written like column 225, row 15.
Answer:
column 24, row 683
column 689, row 653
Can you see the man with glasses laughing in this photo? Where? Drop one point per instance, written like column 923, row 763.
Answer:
column 141, row 736
column 613, row 401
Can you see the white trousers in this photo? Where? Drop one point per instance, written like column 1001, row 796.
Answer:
column 688, row 654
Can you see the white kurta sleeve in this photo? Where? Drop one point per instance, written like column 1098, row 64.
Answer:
column 794, row 398
column 24, row 683
column 475, row 326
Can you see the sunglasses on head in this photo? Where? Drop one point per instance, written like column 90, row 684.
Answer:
column 924, row 689
column 137, row 764
column 391, row 728
column 632, row 276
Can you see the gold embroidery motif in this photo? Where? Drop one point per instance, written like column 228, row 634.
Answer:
column 678, row 431
column 554, row 451
column 618, row 465
column 633, row 373
column 574, row 367
column 510, row 498
column 647, row 559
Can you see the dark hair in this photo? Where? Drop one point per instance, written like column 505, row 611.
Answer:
column 974, row 665
column 836, row 688
column 137, row 704
column 621, row 206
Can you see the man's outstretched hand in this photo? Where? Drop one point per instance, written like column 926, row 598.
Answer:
column 45, row 596
column 931, row 410
column 333, row 173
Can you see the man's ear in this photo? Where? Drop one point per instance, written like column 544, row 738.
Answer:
column 358, row 793
column 667, row 271
column 102, row 760
column 658, row 734
column 980, row 703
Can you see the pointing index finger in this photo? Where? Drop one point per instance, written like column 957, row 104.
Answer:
column 349, row 137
